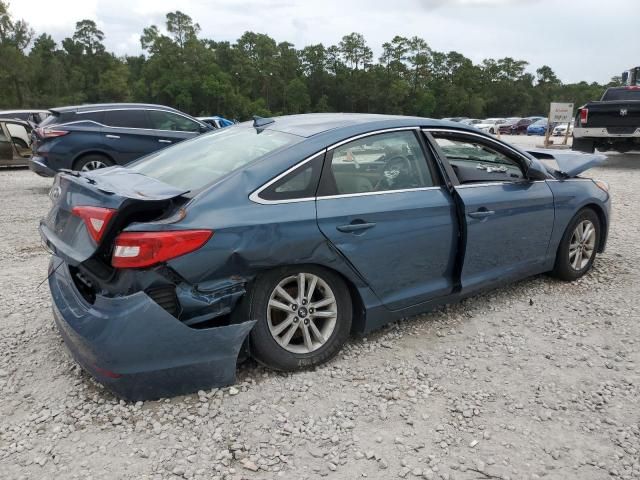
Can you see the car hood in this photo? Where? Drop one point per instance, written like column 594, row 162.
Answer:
column 570, row 164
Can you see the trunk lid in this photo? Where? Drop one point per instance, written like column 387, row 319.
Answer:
column 131, row 195
column 569, row 163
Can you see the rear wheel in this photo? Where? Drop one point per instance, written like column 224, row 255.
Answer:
column 304, row 317
column 577, row 250
column 92, row 162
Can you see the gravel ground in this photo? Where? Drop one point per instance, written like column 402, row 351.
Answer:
column 540, row 379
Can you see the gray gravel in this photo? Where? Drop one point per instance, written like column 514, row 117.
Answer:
column 540, row 379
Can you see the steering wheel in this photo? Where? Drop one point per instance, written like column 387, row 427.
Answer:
column 396, row 168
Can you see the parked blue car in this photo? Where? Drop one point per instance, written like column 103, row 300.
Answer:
column 539, row 127
column 279, row 238
column 216, row 121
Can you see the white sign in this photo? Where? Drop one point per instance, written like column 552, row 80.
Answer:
column 561, row 112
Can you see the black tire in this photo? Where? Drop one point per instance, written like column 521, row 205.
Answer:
column 563, row 268
column 19, row 142
column 264, row 347
column 92, row 158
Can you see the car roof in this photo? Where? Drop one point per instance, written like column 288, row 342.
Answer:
column 109, row 106
column 309, row 124
column 14, row 120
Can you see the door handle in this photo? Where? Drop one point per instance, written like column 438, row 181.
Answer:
column 112, row 136
column 481, row 213
column 355, row 227
column 162, row 140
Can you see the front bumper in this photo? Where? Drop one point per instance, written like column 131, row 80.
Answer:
column 39, row 166
column 137, row 349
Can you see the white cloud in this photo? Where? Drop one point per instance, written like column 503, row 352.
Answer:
column 581, row 40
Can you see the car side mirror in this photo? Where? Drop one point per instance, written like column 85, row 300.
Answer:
column 536, row 172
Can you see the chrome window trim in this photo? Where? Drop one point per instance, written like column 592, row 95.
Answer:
column 255, row 195
column 381, row 192
column 202, row 124
column 490, row 184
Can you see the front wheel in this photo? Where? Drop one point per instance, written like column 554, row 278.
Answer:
column 303, row 317
column 577, row 250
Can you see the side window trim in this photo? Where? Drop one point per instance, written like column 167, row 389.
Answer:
column 255, row 195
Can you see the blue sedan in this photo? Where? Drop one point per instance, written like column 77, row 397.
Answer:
column 278, row 238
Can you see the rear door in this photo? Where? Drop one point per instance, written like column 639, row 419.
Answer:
column 508, row 218
column 6, row 147
column 382, row 205
column 127, row 134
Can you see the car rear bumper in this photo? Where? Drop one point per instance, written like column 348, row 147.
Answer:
column 598, row 132
column 39, row 166
column 137, row 349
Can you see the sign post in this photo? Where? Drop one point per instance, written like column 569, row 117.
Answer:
column 559, row 113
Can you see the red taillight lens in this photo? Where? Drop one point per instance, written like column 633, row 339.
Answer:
column 143, row 249
column 50, row 132
column 584, row 115
column 95, row 218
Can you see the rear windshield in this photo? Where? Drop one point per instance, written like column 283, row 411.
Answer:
column 192, row 164
column 621, row 94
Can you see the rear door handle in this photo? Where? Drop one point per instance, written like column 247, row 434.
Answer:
column 355, row 227
column 481, row 213
column 112, row 136
column 162, row 140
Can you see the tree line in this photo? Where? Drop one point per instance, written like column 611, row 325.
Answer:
column 258, row 76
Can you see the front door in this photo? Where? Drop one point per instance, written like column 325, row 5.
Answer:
column 508, row 218
column 381, row 205
column 6, row 147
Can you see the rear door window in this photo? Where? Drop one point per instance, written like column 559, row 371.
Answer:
column 125, row 118
column 171, row 121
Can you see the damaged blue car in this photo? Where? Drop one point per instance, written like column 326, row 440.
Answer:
column 279, row 238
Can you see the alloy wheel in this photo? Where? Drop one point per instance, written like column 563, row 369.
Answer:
column 582, row 245
column 302, row 313
column 93, row 165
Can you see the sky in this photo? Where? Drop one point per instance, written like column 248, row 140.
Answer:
column 591, row 40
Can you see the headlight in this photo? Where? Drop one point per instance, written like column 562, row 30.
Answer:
column 604, row 186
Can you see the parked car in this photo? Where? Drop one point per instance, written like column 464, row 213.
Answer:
column 14, row 142
column 470, row 121
column 520, row 127
column 490, row 125
column 216, row 121
column 561, row 130
column 88, row 137
column 33, row 116
column 505, row 128
column 613, row 123
column 294, row 232
column 539, row 127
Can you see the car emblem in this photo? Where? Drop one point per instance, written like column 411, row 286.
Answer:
column 623, row 112
column 54, row 193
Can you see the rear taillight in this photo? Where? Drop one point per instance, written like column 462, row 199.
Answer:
column 96, row 219
column 44, row 132
column 144, row 249
column 584, row 115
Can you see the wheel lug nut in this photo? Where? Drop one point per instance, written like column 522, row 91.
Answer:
column 295, row 319
column 306, row 321
column 311, row 310
column 294, row 307
column 304, row 302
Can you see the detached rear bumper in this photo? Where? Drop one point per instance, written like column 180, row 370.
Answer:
column 137, row 349
column 39, row 166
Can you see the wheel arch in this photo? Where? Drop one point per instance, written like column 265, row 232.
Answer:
column 604, row 226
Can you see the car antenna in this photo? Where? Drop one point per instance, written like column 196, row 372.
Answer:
column 261, row 122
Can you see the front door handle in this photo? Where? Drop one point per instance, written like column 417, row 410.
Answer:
column 112, row 136
column 482, row 213
column 162, row 140
column 355, row 227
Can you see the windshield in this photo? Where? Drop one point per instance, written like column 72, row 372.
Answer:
column 540, row 122
column 192, row 164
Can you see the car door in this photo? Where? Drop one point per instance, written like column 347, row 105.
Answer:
column 6, row 147
column 508, row 218
column 127, row 136
column 172, row 128
column 381, row 204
